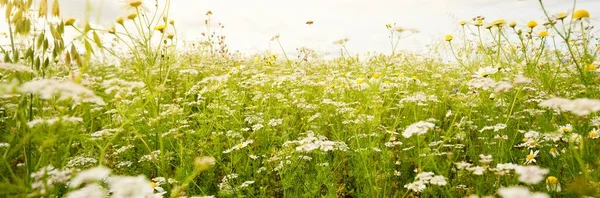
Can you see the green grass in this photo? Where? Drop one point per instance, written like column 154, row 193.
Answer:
column 232, row 125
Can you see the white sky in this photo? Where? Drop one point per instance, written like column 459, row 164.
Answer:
column 250, row 24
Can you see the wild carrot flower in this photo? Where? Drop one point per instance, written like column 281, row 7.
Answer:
column 90, row 190
column 485, row 158
column 129, row 186
column 48, row 88
column 580, row 106
column 418, row 128
column 91, row 175
column 519, row 192
column 531, row 174
column 15, row 67
column 580, row 14
column 477, row 170
column 462, row 165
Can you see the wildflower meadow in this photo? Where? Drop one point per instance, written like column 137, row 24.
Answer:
column 495, row 109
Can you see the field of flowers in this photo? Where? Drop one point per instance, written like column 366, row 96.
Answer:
column 512, row 114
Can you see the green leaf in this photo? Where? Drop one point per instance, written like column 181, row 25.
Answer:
column 97, row 40
column 88, row 46
column 39, row 40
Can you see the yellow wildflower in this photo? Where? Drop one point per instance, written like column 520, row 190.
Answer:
column 70, row 21
column 135, row 3
column 531, row 24
column 160, row 28
column 580, row 14
column 543, row 34
column 512, row 24
column 131, row 16
column 112, row 30
column 448, row 37
column 552, row 184
column 120, row 20
column 499, row 22
column 479, row 22
column 561, row 15
column 463, row 23
column 591, row 67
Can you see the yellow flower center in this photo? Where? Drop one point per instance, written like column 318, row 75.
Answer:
column 530, row 157
column 160, row 28
column 499, row 22
column 561, row 15
column 531, row 24
column 552, row 180
column 132, row 16
column 579, row 14
column 448, row 37
column 590, row 67
column 593, row 134
column 135, row 3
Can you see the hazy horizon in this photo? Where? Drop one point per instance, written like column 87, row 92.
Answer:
column 249, row 25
